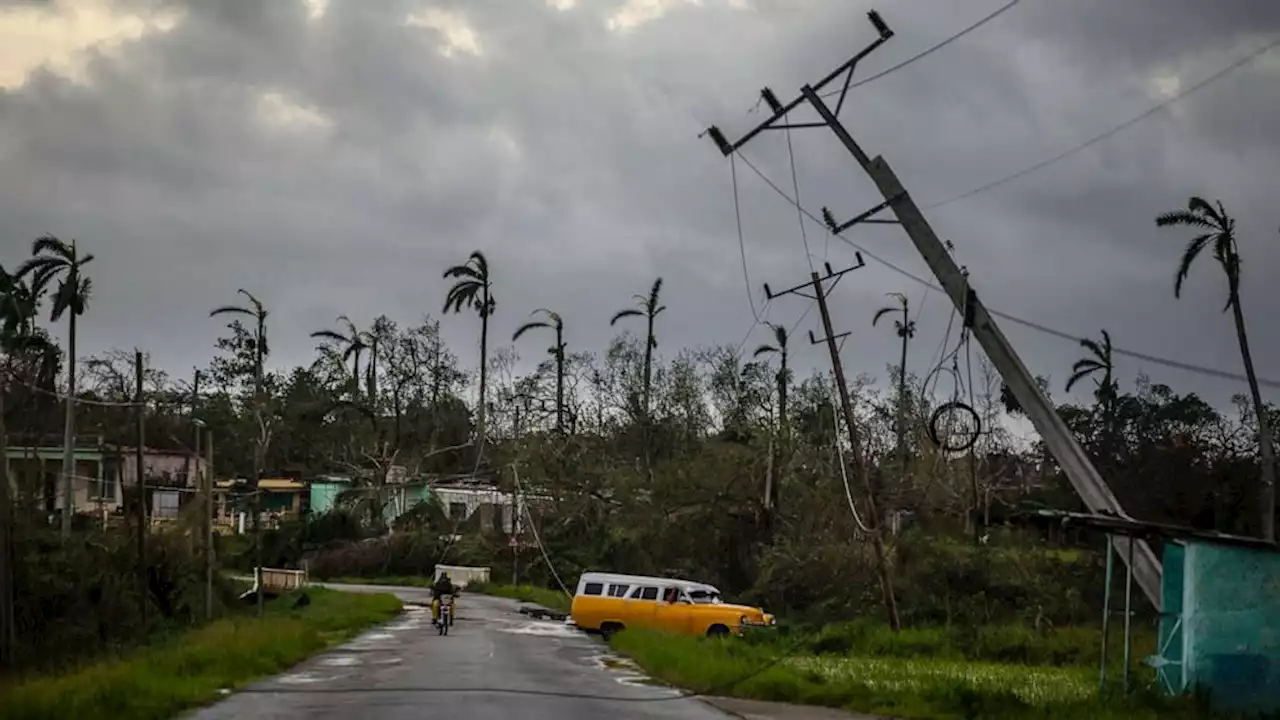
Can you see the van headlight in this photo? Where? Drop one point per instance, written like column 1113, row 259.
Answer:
column 744, row 620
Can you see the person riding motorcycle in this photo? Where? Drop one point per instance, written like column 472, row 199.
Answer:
column 442, row 587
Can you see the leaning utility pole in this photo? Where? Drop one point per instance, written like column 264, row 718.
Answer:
column 877, row 534
column 1075, row 463
column 139, row 411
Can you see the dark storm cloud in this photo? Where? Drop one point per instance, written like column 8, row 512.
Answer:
column 569, row 154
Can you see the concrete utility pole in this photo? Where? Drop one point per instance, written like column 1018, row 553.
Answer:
column 877, row 535
column 1079, row 469
column 7, row 624
column 139, row 473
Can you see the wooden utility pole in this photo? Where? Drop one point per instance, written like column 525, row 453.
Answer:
column 193, row 460
column 208, row 529
column 139, row 472
column 8, row 639
column 1071, row 457
column 877, row 532
column 258, row 459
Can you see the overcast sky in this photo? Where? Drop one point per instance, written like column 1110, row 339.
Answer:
column 334, row 157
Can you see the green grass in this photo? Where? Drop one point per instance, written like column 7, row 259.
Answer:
column 189, row 670
column 1003, row 643
column 552, row 599
column 908, row 687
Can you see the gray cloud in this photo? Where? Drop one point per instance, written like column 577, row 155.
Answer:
column 569, row 154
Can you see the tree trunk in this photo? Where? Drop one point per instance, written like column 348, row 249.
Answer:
column 69, row 428
column 648, row 384
column 1265, row 449
column 373, row 371
column 484, row 369
column 559, row 381
column 778, row 462
column 648, row 370
column 355, row 375
column 395, row 406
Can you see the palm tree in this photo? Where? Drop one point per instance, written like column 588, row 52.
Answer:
column 53, row 259
column 474, row 289
column 906, row 329
column 1217, row 228
column 779, row 348
column 648, row 308
column 556, row 323
column 1099, row 362
column 351, row 344
column 258, row 312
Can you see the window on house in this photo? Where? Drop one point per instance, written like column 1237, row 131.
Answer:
column 165, row 503
column 107, row 488
column 593, row 588
column 457, row 510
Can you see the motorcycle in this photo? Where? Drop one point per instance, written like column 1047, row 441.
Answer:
column 445, row 614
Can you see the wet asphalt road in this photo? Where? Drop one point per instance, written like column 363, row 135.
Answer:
column 494, row 664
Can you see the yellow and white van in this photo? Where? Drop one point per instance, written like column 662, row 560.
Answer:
column 608, row 602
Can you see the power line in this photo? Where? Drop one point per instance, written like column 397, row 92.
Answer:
column 998, row 12
column 1107, row 133
column 1176, row 364
column 742, row 243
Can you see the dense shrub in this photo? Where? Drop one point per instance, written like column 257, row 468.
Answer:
column 80, row 599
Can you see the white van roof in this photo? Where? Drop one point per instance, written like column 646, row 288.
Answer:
column 601, row 577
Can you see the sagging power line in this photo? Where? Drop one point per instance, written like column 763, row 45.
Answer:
column 1030, row 324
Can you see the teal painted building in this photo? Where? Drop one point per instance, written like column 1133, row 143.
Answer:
column 325, row 491
column 1220, row 625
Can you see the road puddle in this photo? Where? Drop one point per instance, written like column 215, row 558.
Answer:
column 544, row 629
column 628, row 673
column 308, row 677
column 340, row 661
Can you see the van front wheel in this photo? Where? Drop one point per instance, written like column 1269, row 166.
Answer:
column 718, row 631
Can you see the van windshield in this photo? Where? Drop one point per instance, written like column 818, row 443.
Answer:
column 705, row 597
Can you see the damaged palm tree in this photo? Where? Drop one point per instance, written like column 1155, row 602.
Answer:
column 556, row 323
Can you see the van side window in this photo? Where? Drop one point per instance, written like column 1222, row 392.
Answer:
column 593, row 588
column 649, row 593
column 618, row 590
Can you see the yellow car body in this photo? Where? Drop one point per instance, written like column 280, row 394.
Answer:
column 609, row 602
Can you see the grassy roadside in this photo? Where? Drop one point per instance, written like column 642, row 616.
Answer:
column 906, row 687
column 160, row 681
column 545, row 597
column 551, row 599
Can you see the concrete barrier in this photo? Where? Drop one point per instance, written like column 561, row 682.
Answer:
column 277, row 581
column 460, row 575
